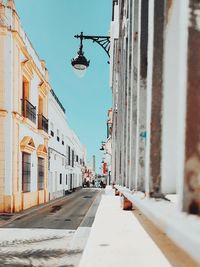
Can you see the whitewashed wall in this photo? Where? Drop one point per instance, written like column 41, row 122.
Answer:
column 58, row 163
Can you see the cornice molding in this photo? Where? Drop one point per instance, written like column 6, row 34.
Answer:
column 17, row 116
column 27, row 69
column 3, row 30
column 44, row 88
column 27, row 144
column 42, row 151
column 3, row 113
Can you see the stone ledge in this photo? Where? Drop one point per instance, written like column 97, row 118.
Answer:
column 180, row 227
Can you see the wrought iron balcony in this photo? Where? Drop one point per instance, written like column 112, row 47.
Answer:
column 28, row 110
column 43, row 123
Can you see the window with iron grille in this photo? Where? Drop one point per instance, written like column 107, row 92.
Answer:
column 60, row 178
column 28, row 110
column 26, row 172
column 40, row 173
column 43, row 123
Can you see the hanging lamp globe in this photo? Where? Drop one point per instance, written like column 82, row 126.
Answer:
column 102, row 148
column 80, row 63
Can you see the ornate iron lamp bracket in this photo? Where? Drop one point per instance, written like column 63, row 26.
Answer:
column 103, row 41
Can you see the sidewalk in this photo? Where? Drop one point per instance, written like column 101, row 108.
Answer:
column 118, row 239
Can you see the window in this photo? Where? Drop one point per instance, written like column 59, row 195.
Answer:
column 69, row 155
column 52, row 130
column 26, row 172
column 76, row 158
column 40, row 173
column 28, row 110
column 25, row 88
column 58, row 135
column 66, row 179
column 63, row 140
column 72, row 158
column 60, row 178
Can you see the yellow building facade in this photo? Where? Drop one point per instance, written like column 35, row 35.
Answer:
column 24, row 136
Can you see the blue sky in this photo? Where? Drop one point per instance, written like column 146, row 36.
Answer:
column 51, row 26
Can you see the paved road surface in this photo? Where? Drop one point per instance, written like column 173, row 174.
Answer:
column 48, row 236
column 67, row 213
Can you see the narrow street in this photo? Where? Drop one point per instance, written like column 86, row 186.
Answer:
column 44, row 236
column 64, row 214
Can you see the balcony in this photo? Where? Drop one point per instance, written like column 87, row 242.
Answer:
column 28, row 110
column 43, row 123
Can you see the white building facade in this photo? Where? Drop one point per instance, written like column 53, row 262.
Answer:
column 67, row 155
column 32, row 171
column 24, row 90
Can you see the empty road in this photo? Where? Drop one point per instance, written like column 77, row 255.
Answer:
column 66, row 213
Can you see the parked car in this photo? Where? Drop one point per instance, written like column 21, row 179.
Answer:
column 86, row 184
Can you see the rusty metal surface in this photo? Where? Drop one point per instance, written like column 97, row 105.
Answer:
column 157, row 94
column 191, row 202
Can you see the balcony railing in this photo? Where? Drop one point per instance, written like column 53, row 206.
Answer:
column 28, row 110
column 43, row 123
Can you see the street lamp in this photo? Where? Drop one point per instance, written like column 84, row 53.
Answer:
column 102, row 146
column 80, row 63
